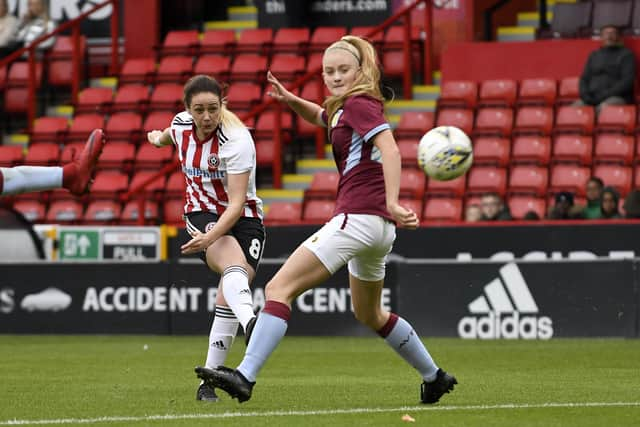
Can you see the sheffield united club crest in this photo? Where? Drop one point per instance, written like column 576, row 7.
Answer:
column 213, row 161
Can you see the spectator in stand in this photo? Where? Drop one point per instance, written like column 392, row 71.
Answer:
column 473, row 213
column 8, row 25
column 531, row 216
column 562, row 209
column 609, row 204
column 609, row 74
column 632, row 204
column 593, row 192
column 493, row 208
column 33, row 24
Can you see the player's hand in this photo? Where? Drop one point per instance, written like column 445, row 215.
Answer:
column 198, row 243
column 277, row 90
column 154, row 137
column 405, row 218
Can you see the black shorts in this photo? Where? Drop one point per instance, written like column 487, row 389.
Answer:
column 249, row 232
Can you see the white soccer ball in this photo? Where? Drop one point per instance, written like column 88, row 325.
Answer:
column 445, row 153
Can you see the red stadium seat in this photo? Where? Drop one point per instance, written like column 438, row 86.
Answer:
column 619, row 177
column 617, row 118
column 313, row 92
column 494, row 121
column 569, row 178
column 460, row 118
column 137, row 70
column 150, row 157
column 154, row 189
column 49, row 129
column 534, row 120
column 531, row 149
column 167, row 97
column 221, row 42
column 174, row 69
column 394, row 38
column 291, row 40
column 442, row 209
column 283, row 213
column 265, row 152
column 266, row 123
column 314, row 63
column 157, row 120
column 19, row 74
column 568, row 90
column 362, row 31
column 452, row 188
column 573, row 149
column 520, row 205
column 131, row 211
column 541, row 92
column 575, row 120
column 322, row 37
column 243, row 95
column 175, row 186
column 318, row 211
column 491, row 150
column 213, row 65
column 94, row 100
column 458, row 94
column 32, row 210
column 43, row 154
column 487, row 179
column 82, row 125
column 287, row 67
column 412, row 184
column 525, row 179
column 414, row 124
column 109, row 185
column 124, row 126
column 11, row 155
column 614, row 148
column 71, row 151
column 132, row 97
column 500, row 93
column 180, row 42
column 324, row 185
column 64, row 212
column 60, row 67
column 408, row 152
column 249, row 67
column 118, row 156
column 102, row 212
column 173, row 209
column 254, row 40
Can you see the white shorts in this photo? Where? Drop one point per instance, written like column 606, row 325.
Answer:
column 362, row 241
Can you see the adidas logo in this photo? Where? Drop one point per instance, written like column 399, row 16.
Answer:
column 218, row 344
column 506, row 310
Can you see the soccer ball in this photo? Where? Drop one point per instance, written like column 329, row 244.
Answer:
column 445, row 153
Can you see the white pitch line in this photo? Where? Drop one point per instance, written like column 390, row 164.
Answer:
column 170, row 417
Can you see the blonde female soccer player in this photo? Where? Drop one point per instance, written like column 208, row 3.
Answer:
column 360, row 234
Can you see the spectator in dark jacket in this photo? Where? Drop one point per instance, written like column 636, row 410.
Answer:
column 609, row 203
column 493, row 208
column 609, row 74
column 632, row 204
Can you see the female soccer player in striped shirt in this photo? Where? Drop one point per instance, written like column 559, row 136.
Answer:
column 222, row 213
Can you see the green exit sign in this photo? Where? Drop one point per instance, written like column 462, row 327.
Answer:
column 79, row 244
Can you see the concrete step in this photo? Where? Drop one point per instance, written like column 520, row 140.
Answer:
column 270, row 195
column 426, row 92
column 242, row 13
column 16, row 139
column 532, row 19
column 230, row 25
column 60, row 111
column 296, row 181
column 400, row 106
column 512, row 34
column 111, row 82
column 309, row 166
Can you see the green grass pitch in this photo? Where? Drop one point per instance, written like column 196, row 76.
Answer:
column 114, row 381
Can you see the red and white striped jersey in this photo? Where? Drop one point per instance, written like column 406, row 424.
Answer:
column 205, row 165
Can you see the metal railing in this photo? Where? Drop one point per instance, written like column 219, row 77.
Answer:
column 407, row 79
column 76, row 55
